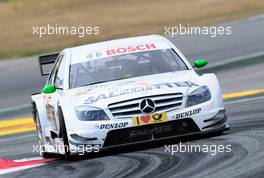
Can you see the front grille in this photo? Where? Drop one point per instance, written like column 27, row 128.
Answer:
column 130, row 108
column 149, row 132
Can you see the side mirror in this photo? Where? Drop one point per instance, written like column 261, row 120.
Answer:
column 200, row 63
column 48, row 89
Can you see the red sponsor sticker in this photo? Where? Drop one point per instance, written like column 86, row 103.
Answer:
column 129, row 49
column 145, row 119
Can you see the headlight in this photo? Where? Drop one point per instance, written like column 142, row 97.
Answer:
column 88, row 113
column 198, row 96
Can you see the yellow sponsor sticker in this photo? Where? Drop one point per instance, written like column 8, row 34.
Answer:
column 150, row 119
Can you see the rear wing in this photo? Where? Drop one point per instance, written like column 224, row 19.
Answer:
column 46, row 60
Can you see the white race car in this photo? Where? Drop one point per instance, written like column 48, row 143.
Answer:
column 122, row 92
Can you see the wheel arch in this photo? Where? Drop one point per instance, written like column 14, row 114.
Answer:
column 38, row 106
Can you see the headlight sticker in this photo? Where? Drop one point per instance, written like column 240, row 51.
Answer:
column 90, row 113
column 198, row 96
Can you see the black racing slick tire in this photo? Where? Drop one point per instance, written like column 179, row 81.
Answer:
column 63, row 134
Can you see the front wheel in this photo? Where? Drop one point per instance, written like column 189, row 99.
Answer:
column 63, row 133
column 42, row 150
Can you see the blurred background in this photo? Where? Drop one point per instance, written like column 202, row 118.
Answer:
column 116, row 19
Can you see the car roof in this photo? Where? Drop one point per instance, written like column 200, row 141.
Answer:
column 120, row 42
column 81, row 51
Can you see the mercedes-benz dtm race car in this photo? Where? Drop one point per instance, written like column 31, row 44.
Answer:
column 121, row 92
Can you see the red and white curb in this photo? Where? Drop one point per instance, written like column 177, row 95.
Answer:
column 8, row 166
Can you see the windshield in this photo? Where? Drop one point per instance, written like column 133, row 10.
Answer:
column 125, row 66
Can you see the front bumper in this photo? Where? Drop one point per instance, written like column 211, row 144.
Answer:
column 175, row 128
column 150, row 132
column 199, row 123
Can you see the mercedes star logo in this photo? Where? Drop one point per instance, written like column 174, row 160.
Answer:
column 147, row 106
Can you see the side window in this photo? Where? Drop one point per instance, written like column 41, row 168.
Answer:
column 59, row 78
column 54, row 71
column 173, row 59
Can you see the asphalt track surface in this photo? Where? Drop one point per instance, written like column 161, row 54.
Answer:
column 245, row 117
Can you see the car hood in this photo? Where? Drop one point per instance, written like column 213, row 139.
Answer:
column 115, row 91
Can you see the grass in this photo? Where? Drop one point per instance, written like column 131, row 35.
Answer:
column 119, row 18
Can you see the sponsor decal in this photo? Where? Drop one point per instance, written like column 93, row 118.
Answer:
column 139, row 89
column 149, row 119
column 150, row 131
column 47, row 98
column 93, row 55
column 130, row 49
column 112, row 126
column 121, row 50
column 187, row 114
